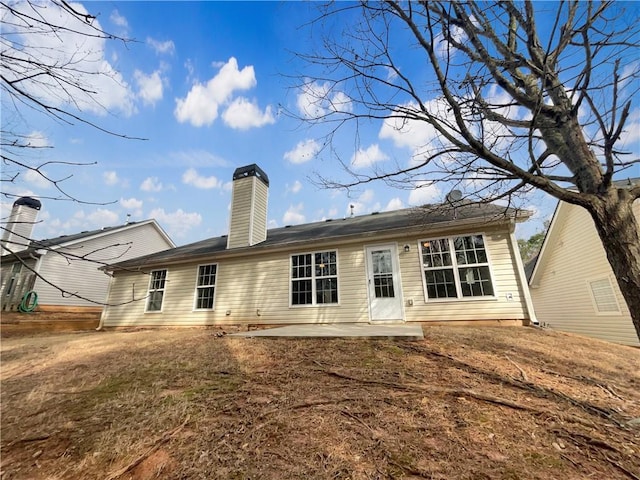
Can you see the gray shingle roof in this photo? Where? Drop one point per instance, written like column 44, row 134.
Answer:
column 336, row 229
column 48, row 243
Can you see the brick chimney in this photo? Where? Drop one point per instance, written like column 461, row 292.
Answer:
column 248, row 223
column 19, row 226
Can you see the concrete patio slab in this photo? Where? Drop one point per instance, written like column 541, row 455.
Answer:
column 403, row 331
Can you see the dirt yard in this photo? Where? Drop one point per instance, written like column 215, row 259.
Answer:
column 465, row 403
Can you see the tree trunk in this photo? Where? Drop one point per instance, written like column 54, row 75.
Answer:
column 620, row 234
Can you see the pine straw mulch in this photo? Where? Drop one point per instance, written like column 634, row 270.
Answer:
column 465, row 403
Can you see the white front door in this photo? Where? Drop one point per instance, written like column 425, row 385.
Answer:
column 385, row 295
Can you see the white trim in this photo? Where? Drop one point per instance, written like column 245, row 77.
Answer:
column 543, row 248
column 103, row 314
column 313, row 278
column 522, row 278
column 195, row 290
column 395, row 264
column 455, row 267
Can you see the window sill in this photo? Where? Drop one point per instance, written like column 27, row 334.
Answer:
column 318, row 305
column 462, row 299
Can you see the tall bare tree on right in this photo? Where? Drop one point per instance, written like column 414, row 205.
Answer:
column 520, row 95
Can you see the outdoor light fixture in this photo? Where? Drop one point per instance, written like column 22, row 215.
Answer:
column 407, row 248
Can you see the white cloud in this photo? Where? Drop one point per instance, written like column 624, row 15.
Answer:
column 305, row 150
column 316, row 100
column 367, row 196
column 424, row 193
column 167, row 47
column 631, row 134
column 151, row 184
column 131, row 203
column 132, row 206
column 75, row 45
column 150, row 87
column 407, row 130
column 192, row 177
column 295, row 188
column 391, row 74
column 102, row 217
column 37, row 140
column 118, row 19
column 367, row 157
column 110, row 178
column 35, row 179
column 446, row 50
column 200, row 106
column 243, row 114
column 177, row 223
column 411, row 134
column 294, row 215
column 394, row 204
column 362, row 204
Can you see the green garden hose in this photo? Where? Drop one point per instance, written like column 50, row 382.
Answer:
column 29, row 302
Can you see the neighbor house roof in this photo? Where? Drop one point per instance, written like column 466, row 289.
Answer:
column 427, row 217
column 35, row 246
column 534, row 266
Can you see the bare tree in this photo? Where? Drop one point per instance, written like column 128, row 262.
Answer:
column 50, row 64
column 506, row 97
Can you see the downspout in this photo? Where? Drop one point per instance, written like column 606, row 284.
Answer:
column 522, row 277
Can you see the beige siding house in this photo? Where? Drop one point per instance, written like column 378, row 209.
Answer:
column 438, row 264
column 572, row 285
column 68, row 262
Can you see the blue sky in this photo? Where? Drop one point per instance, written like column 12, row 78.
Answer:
column 205, row 83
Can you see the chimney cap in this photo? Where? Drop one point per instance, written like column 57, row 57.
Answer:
column 252, row 170
column 28, row 202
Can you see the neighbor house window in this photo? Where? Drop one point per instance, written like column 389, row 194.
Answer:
column 456, row 267
column 206, row 286
column 156, row 290
column 604, row 297
column 314, row 278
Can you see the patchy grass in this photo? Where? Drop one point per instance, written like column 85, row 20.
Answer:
column 465, row 403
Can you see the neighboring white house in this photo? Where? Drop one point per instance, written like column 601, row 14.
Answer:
column 69, row 262
column 572, row 284
column 453, row 262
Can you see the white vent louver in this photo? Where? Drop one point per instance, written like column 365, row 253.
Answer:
column 604, row 296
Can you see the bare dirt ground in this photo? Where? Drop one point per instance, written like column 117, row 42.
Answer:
column 465, row 403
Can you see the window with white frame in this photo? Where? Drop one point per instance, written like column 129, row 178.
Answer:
column 456, row 267
column 314, row 278
column 206, row 286
column 156, row 290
